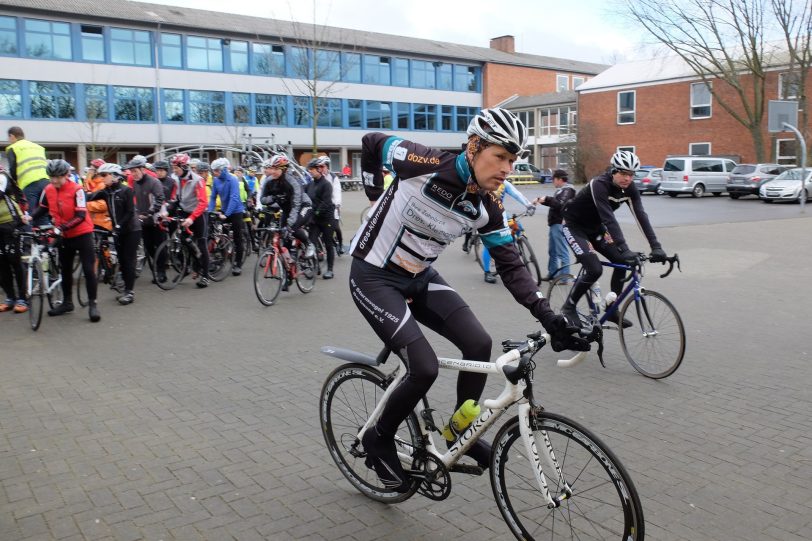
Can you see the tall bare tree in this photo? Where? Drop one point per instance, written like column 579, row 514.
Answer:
column 797, row 31
column 730, row 45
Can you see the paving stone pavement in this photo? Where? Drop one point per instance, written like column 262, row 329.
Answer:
column 192, row 414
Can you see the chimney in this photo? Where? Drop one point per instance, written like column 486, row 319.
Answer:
column 506, row 44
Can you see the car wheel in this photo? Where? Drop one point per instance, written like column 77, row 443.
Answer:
column 735, row 195
column 660, row 191
column 699, row 191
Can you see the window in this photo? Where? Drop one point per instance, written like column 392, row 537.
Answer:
column 404, row 115
column 379, row 114
column 351, row 67
column 786, row 151
column 329, row 112
column 377, row 70
column 699, row 149
column 562, row 83
column 466, row 78
column 134, row 104
column 425, row 117
column 271, row 109
column 238, row 56
column 625, row 107
column 422, row 74
column 52, row 100
column 328, row 66
column 206, row 107
column 11, row 100
column 299, row 63
column 544, row 122
column 577, row 81
column 446, row 117
column 788, row 86
column 46, row 39
column 92, row 43
column 130, row 47
column 8, row 35
column 354, row 113
column 268, row 59
column 707, row 166
column 96, row 103
column 443, row 73
column 171, row 51
column 241, row 107
column 464, row 117
column 528, row 119
column 700, row 100
column 626, row 149
column 204, row 54
column 400, row 72
column 301, row 111
column 173, row 105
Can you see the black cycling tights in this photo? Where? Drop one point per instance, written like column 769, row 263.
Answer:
column 584, row 246
column 87, row 255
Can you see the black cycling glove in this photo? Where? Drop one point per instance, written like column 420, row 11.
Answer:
column 629, row 256
column 657, row 255
column 564, row 334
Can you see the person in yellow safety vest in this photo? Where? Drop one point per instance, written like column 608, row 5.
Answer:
column 26, row 167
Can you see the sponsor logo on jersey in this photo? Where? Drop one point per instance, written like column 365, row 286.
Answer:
column 399, row 153
column 430, row 160
column 467, row 207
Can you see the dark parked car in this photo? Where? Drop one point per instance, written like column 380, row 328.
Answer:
column 648, row 180
column 747, row 178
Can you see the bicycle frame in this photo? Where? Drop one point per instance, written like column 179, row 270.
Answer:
column 493, row 409
column 36, row 257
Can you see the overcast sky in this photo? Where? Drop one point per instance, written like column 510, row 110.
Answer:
column 543, row 27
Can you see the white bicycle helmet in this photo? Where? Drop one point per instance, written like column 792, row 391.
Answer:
column 281, row 161
column 112, row 168
column 501, row 127
column 323, row 160
column 625, row 160
column 220, row 163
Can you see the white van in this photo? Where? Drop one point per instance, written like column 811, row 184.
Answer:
column 696, row 175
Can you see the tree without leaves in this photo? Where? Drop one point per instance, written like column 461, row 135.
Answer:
column 723, row 41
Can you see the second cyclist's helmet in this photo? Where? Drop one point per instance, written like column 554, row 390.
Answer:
column 57, row 168
column 625, row 160
column 501, row 127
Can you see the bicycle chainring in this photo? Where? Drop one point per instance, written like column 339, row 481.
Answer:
column 436, row 481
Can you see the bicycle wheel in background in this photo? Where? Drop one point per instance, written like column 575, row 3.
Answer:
column 655, row 343
column 35, row 295
column 221, row 256
column 269, row 275
column 529, row 258
column 602, row 502
column 307, row 268
column 558, row 290
column 176, row 262
column 348, row 397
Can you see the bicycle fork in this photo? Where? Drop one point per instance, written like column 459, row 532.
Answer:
column 534, row 441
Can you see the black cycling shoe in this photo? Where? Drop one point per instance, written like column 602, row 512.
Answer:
column 490, row 277
column 61, row 309
column 93, row 312
column 614, row 319
column 382, row 456
column 479, row 451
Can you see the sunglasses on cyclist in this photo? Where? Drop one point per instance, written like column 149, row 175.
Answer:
column 513, row 148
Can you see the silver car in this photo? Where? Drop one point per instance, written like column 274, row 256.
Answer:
column 695, row 175
column 747, row 178
column 787, row 186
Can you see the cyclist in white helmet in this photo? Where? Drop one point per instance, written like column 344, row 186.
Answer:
column 590, row 226
column 436, row 197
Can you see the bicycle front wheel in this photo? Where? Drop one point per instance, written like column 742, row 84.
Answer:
column 529, row 259
column 35, row 295
column 655, row 343
column 347, row 400
column 307, row 268
column 597, row 497
column 269, row 275
column 174, row 261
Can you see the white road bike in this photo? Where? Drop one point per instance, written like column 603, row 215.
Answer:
column 551, row 477
column 43, row 275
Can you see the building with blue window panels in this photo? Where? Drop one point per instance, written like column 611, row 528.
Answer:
column 116, row 78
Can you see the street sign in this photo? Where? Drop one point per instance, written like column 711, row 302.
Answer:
column 780, row 112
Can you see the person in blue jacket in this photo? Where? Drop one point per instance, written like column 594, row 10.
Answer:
column 227, row 187
column 505, row 189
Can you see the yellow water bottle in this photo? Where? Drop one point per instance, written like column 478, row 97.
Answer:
column 463, row 417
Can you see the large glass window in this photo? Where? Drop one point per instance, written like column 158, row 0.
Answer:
column 134, row 104
column 789, row 85
column 465, row 78
column 171, row 51
column 238, row 56
column 425, row 117
column 329, row 112
column 268, row 59
column 52, row 100
column 207, row 107
column 301, row 111
column 700, row 100
column 47, row 39
column 11, row 100
column 204, row 53
column 96, row 103
column 130, row 47
column 422, row 74
column 173, row 105
column 377, row 70
column 446, row 117
column 328, row 65
column 351, row 67
column 562, row 83
column 625, row 107
column 786, row 151
column 464, row 117
column 241, row 107
column 379, row 114
column 401, row 72
column 271, row 109
column 299, row 63
column 354, row 113
column 8, row 35
column 92, row 43
column 443, row 73
column 404, row 116
column 703, row 149
column 528, row 119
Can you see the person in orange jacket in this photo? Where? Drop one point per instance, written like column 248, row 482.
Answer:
column 99, row 214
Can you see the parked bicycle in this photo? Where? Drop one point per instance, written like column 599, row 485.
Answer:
column 655, row 343
column 552, row 478
column 43, row 272
column 522, row 244
column 221, row 248
column 177, row 254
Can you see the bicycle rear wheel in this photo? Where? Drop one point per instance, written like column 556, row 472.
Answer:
column 269, row 275
column 307, row 268
column 655, row 343
column 602, row 502
column 35, row 295
column 175, row 260
column 221, row 256
column 347, row 400
column 558, row 290
column 529, row 258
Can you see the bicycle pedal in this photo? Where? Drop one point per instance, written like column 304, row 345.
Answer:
column 467, row 469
